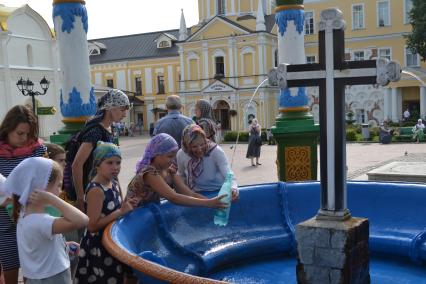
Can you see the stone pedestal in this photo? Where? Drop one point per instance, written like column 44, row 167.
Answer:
column 400, row 171
column 333, row 251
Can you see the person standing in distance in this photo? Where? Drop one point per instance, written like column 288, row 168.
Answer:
column 174, row 122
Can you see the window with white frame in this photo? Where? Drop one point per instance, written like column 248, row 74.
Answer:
column 221, row 7
column 411, row 58
column 383, row 13
column 310, row 59
column 309, row 22
column 385, row 52
column 276, row 58
column 408, row 5
column 219, row 66
column 357, row 16
column 359, row 55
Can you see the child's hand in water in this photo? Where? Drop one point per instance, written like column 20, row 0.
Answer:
column 217, row 202
column 126, row 207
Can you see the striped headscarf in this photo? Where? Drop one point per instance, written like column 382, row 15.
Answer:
column 160, row 144
column 195, row 165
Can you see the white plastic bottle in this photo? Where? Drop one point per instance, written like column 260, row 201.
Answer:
column 221, row 215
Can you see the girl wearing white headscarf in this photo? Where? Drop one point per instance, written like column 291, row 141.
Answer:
column 35, row 184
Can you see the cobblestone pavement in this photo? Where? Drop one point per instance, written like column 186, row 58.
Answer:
column 361, row 158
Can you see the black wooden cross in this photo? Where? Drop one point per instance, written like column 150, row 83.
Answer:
column 332, row 74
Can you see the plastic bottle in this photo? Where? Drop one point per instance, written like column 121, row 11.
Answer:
column 221, row 215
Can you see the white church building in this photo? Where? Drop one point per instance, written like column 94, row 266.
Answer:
column 28, row 49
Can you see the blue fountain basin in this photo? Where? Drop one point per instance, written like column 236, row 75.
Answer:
column 258, row 245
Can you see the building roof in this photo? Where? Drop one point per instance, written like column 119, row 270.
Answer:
column 137, row 46
column 143, row 46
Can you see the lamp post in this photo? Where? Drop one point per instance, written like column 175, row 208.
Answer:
column 26, row 87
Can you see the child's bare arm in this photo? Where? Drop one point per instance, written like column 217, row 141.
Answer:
column 95, row 199
column 157, row 183
column 72, row 218
column 182, row 188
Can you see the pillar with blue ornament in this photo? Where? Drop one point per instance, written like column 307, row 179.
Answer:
column 77, row 97
column 295, row 130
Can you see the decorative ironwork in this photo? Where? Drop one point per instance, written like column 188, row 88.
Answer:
column 298, row 163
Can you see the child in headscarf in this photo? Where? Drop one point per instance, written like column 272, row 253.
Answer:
column 155, row 174
column 112, row 107
column 35, row 184
column 202, row 163
column 204, row 114
column 103, row 204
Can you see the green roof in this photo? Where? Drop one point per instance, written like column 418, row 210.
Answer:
column 289, row 2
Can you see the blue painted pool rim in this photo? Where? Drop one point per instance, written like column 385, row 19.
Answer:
column 187, row 236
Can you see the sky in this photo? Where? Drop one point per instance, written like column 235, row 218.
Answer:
column 109, row 18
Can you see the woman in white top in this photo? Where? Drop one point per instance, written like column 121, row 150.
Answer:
column 418, row 131
column 202, row 163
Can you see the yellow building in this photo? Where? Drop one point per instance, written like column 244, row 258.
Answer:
column 374, row 28
column 229, row 52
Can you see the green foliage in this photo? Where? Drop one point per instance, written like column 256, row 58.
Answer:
column 231, row 136
column 417, row 39
column 350, row 135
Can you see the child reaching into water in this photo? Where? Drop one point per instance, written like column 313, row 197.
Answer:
column 155, row 176
column 35, row 184
column 103, row 205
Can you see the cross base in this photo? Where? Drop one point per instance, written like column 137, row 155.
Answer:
column 328, row 215
column 332, row 252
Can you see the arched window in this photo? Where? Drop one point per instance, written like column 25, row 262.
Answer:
column 30, row 61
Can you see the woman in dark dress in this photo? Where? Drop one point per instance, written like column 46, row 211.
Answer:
column 255, row 142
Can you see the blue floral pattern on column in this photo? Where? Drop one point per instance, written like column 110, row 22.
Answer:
column 75, row 107
column 68, row 12
column 298, row 100
column 297, row 16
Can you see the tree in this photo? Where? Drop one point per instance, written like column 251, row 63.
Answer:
column 417, row 39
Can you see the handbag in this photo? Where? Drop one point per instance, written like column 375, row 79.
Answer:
column 258, row 141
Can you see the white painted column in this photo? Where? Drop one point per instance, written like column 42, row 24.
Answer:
column 231, row 53
column 261, row 56
column 208, row 9
column 205, row 50
column 387, row 104
column 170, row 76
column 422, row 102
column 182, row 70
column 232, row 6
column 394, row 92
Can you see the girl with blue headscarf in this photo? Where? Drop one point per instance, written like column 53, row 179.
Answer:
column 103, row 203
column 156, row 176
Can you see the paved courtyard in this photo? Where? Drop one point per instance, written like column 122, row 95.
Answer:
column 361, row 158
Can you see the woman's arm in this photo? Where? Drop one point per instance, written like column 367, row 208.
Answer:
column 95, row 199
column 157, row 183
column 223, row 166
column 182, row 188
column 81, row 157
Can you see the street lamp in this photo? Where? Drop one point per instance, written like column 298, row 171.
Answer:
column 26, row 87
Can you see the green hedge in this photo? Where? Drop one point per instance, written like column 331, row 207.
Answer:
column 231, row 136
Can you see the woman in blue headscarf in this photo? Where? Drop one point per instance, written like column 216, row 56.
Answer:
column 156, row 175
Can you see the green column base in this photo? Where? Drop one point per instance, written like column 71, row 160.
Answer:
column 297, row 137
column 67, row 131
